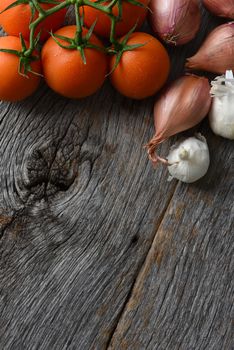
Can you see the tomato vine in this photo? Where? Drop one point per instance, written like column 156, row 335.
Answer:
column 80, row 41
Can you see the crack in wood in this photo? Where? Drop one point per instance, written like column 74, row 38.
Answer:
column 129, row 296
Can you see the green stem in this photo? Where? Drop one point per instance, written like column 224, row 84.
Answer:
column 41, row 18
column 112, row 32
column 105, row 9
column 38, row 7
column 112, row 4
column 78, row 24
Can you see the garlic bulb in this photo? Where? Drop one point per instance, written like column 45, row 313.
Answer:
column 221, row 115
column 189, row 159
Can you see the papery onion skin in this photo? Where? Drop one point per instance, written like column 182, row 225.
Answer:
column 183, row 105
column 216, row 54
column 221, row 8
column 175, row 21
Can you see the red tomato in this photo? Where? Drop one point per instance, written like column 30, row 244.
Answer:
column 131, row 14
column 65, row 71
column 17, row 19
column 15, row 87
column 142, row 71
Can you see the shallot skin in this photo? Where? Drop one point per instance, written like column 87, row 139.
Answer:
column 216, row 54
column 175, row 21
column 221, row 8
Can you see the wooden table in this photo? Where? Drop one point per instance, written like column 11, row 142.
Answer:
column 98, row 250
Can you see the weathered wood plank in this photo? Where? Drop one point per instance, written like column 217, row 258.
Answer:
column 79, row 208
column 74, row 184
column 183, row 297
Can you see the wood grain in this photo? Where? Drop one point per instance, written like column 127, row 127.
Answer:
column 76, row 223
column 183, row 296
column 82, row 210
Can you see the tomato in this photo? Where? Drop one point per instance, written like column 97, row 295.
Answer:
column 15, row 87
column 65, row 71
column 131, row 14
column 17, row 19
column 143, row 71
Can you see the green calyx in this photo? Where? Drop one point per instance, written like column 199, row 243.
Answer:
column 118, row 48
column 78, row 42
column 24, row 62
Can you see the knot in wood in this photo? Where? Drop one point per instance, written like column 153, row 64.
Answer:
column 50, row 168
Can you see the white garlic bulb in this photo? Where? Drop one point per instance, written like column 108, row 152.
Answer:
column 221, row 115
column 189, row 159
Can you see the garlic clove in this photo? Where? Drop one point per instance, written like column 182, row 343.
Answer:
column 221, row 115
column 189, row 159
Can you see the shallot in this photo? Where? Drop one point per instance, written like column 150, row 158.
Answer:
column 183, row 105
column 217, row 52
column 222, row 8
column 175, row 21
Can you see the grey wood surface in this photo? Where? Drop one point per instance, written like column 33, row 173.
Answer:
column 97, row 249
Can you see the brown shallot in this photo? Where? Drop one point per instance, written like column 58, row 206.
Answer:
column 222, row 8
column 217, row 52
column 183, row 105
column 175, row 21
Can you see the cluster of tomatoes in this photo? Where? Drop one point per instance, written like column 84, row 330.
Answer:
column 143, row 63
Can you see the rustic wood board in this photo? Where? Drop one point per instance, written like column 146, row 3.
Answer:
column 97, row 249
